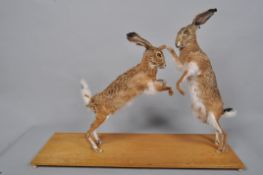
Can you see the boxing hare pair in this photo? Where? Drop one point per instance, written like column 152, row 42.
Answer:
column 197, row 70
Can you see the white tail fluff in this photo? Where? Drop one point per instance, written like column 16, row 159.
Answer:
column 229, row 112
column 85, row 91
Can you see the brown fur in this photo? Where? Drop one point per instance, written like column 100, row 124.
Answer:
column 204, row 78
column 128, row 85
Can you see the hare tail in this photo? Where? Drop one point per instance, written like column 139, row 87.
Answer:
column 85, row 92
column 229, row 112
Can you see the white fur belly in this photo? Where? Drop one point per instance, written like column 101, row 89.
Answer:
column 194, row 91
column 151, row 89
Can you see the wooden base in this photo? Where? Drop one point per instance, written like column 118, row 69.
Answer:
column 137, row 151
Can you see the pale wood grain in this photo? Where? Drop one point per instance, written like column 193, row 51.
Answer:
column 137, row 150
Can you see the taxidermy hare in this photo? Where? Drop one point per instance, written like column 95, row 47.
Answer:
column 206, row 100
column 141, row 78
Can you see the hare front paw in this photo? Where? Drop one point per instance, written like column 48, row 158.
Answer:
column 170, row 91
column 169, row 48
column 180, row 90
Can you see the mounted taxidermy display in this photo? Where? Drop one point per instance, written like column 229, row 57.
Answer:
column 207, row 103
column 141, row 78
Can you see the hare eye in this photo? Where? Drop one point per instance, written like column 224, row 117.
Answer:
column 159, row 54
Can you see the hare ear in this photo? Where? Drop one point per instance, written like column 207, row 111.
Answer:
column 134, row 37
column 203, row 17
column 162, row 47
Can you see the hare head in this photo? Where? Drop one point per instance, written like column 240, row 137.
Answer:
column 153, row 56
column 187, row 34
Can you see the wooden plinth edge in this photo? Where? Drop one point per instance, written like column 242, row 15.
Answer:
column 125, row 150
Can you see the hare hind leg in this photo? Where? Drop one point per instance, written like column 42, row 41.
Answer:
column 220, row 136
column 200, row 111
column 96, row 137
column 91, row 133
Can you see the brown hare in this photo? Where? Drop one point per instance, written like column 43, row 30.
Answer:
column 141, row 78
column 197, row 69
